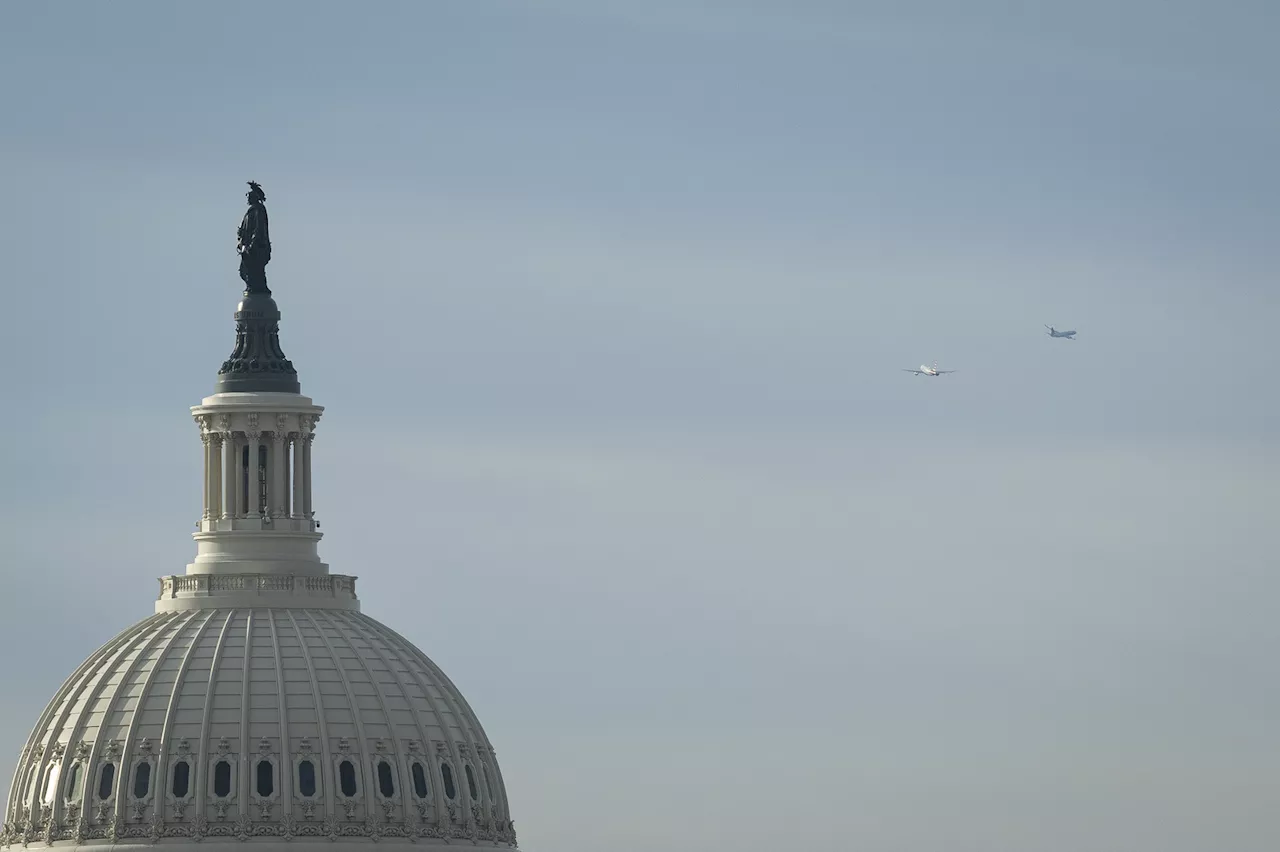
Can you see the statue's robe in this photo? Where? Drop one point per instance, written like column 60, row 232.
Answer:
column 255, row 253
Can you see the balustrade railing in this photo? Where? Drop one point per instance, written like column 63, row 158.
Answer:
column 196, row 585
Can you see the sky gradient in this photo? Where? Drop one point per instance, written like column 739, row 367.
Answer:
column 608, row 304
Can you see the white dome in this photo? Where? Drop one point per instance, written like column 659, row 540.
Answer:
column 258, row 704
column 240, row 722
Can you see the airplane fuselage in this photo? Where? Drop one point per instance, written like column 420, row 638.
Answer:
column 926, row 370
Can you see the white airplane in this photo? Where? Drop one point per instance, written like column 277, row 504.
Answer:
column 1053, row 332
column 928, row 371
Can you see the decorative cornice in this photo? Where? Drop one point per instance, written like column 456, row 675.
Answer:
column 245, row 828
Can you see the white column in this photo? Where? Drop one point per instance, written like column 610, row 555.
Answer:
column 285, row 492
column 231, row 466
column 254, row 509
column 307, row 509
column 207, row 441
column 276, row 490
column 215, row 474
column 297, row 476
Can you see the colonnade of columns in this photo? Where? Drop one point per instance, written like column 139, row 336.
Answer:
column 238, row 484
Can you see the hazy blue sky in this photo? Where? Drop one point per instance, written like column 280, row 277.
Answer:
column 609, row 303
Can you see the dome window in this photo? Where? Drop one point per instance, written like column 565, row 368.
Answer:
column 142, row 780
column 51, row 783
column 107, row 781
column 222, row 779
column 347, row 778
column 446, row 772
column 266, row 779
column 471, row 782
column 420, row 781
column 307, row 778
column 181, row 779
column 73, row 781
column 386, row 783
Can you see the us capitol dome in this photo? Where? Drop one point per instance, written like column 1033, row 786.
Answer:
column 258, row 704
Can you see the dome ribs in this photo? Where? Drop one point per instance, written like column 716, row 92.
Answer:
column 326, row 753
column 370, row 758
column 134, row 639
column 44, row 734
column 285, row 763
column 361, row 739
column 406, row 778
column 170, row 630
column 178, row 680
column 166, row 735
column 244, row 788
column 459, row 709
column 202, row 756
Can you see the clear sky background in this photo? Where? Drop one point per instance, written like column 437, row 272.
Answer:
column 609, row 303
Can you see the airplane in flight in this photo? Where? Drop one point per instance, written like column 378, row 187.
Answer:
column 1053, row 332
column 928, row 371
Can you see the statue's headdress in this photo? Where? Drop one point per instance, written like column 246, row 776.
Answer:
column 256, row 188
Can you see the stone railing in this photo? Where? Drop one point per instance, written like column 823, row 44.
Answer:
column 258, row 590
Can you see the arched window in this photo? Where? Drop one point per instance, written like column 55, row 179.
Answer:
column 347, row 778
column 266, row 778
column 446, row 772
column 307, row 778
column 222, row 779
column 386, row 783
column 142, row 780
column 107, row 781
column 73, row 781
column 181, row 779
column 471, row 782
column 420, row 781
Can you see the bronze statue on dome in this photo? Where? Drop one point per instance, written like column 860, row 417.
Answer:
column 254, row 242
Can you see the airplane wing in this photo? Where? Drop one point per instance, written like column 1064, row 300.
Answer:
column 917, row 372
column 940, row 372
